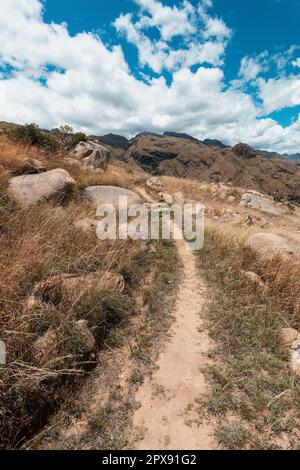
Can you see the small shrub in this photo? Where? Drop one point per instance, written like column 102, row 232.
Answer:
column 30, row 134
column 76, row 138
column 68, row 138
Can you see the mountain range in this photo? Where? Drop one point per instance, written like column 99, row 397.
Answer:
column 181, row 155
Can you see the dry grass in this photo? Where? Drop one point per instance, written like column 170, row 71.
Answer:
column 39, row 242
column 100, row 416
column 254, row 394
column 280, row 274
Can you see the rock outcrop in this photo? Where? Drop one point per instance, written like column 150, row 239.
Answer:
column 70, row 288
column 28, row 190
column 28, row 166
column 255, row 200
column 244, row 151
column 98, row 195
column 270, row 244
column 93, row 154
column 242, row 166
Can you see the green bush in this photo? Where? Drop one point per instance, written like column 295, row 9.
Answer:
column 31, row 134
column 76, row 138
column 67, row 137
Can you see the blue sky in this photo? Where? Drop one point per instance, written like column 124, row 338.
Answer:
column 226, row 69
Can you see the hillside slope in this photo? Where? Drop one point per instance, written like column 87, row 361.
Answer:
column 241, row 165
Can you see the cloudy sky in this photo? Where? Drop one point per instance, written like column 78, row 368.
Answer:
column 226, row 69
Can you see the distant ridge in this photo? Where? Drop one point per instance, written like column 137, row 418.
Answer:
column 180, row 135
column 215, row 143
column 241, row 165
column 114, row 140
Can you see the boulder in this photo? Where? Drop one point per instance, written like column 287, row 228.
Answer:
column 270, row 244
column 289, row 335
column 93, row 154
column 98, row 195
column 255, row 200
column 28, row 190
column 68, row 287
column 28, row 166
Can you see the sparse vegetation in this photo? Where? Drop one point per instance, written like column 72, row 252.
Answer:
column 68, row 138
column 62, row 138
column 253, row 395
column 37, row 244
column 31, row 134
column 250, row 375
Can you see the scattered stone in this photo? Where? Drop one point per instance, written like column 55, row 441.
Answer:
column 68, row 287
column 93, row 154
column 249, row 220
column 87, row 340
column 289, row 335
column 155, row 183
column 167, row 198
column 296, row 357
column 270, row 244
column 29, row 166
column 254, row 278
column 231, row 199
column 255, row 200
column 98, row 195
column 28, row 190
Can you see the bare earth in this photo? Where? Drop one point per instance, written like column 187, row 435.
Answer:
column 165, row 420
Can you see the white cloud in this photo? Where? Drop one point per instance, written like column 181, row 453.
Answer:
column 279, row 93
column 296, row 62
column 250, row 68
column 171, row 21
column 58, row 78
column 204, row 38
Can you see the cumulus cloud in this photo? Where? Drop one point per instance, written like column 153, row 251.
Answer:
column 204, row 38
column 296, row 62
column 50, row 77
column 279, row 93
column 250, row 68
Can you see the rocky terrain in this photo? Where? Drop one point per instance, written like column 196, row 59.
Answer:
column 241, row 165
column 100, row 333
column 183, row 156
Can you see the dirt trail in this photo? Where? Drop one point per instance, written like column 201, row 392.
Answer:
column 166, row 417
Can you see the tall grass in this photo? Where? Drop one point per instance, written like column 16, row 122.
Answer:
column 36, row 244
column 254, row 396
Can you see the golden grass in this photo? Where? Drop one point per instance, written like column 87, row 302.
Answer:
column 39, row 242
column 254, row 394
column 281, row 274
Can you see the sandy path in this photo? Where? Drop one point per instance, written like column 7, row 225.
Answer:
column 166, row 413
